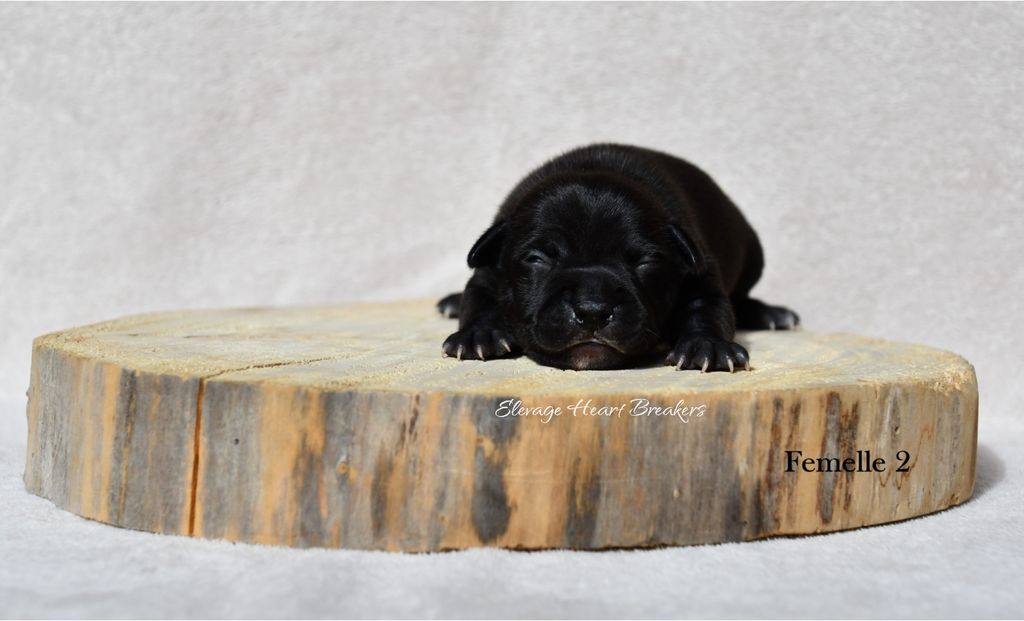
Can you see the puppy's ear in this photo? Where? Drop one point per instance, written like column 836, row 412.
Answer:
column 687, row 249
column 486, row 249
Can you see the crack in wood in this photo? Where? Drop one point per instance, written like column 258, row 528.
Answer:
column 195, row 457
column 270, row 365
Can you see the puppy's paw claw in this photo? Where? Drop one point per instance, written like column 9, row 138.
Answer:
column 708, row 354
column 479, row 343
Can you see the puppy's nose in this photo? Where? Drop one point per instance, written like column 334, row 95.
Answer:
column 592, row 314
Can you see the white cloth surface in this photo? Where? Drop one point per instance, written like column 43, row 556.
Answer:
column 172, row 156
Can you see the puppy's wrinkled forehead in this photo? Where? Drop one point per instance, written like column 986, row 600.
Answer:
column 589, row 223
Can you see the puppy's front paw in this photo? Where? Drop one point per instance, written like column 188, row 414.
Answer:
column 708, row 353
column 479, row 343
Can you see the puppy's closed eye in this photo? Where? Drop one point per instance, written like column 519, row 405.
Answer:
column 537, row 258
column 647, row 263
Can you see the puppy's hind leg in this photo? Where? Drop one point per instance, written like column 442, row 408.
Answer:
column 449, row 305
column 753, row 314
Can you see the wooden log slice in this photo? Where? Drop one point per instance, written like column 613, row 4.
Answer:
column 345, row 427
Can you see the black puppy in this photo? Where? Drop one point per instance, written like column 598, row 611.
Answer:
column 611, row 256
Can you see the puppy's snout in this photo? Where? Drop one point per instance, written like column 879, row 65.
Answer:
column 591, row 314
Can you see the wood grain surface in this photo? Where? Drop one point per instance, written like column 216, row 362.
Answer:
column 345, row 427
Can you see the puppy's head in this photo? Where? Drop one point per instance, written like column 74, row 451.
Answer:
column 587, row 274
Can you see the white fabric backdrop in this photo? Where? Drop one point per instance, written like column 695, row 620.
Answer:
column 167, row 156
